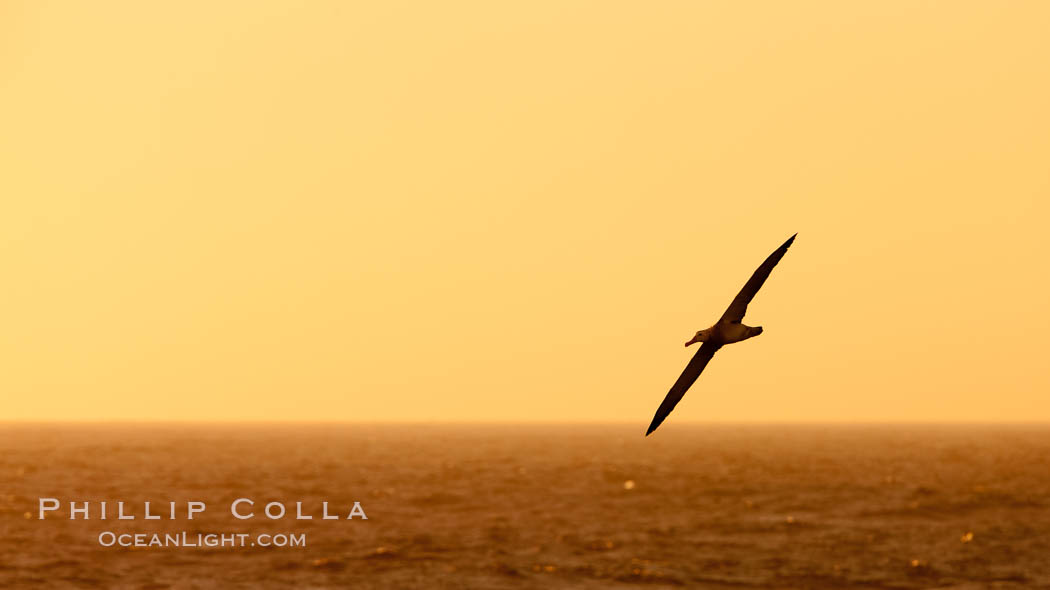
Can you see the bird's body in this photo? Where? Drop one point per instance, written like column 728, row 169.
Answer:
column 727, row 330
column 726, row 333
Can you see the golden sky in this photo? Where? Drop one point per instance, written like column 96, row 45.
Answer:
column 493, row 211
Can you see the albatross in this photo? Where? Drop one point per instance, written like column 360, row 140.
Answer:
column 726, row 330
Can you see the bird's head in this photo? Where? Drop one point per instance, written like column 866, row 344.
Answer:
column 700, row 336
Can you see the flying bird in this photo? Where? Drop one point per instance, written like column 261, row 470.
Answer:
column 726, row 330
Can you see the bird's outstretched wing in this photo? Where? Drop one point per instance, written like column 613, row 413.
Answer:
column 687, row 378
column 738, row 307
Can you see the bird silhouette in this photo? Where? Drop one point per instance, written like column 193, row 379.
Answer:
column 726, row 330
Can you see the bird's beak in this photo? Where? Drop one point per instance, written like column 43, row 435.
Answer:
column 693, row 341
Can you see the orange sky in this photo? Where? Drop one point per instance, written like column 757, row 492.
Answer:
column 482, row 211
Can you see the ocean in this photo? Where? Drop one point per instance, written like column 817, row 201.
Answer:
column 530, row 506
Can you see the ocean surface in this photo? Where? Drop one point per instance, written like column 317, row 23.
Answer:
column 535, row 506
